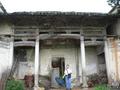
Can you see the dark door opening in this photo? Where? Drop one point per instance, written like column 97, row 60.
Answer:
column 102, row 68
column 58, row 67
column 59, row 62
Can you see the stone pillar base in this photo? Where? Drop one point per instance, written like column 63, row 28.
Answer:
column 85, row 86
column 36, row 88
column 39, row 88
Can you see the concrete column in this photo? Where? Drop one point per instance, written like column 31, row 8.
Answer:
column 36, row 64
column 11, row 52
column 83, row 61
column 106, row 56
column 77, row 62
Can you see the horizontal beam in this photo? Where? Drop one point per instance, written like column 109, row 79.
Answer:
column 55, row 36
column 65, row 27
column 93, row 43
column 24, row 43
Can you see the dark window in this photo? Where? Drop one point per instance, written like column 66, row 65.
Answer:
column 21, row 54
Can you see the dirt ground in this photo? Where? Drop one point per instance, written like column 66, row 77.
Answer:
column 85, row 89
column 75, row 89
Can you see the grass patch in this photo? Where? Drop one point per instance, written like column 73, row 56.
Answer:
column 101, row 87
column 15, row 85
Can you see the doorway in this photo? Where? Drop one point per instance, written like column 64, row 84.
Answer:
column 58, row 67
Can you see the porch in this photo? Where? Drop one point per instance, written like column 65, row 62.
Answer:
column 43, row 55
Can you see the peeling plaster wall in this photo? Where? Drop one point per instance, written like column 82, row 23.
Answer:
column 46, row 58
column 5, row 29
column 116, row 63
column 5, row 58
column 115, row 52
column 119, row 59
column 92, row 60
column 114, row 59
column 26, row 68
column 111, row 61
column 71, row 56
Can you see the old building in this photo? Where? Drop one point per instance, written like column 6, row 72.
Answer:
column 42, row 43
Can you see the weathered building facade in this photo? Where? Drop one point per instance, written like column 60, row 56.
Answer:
column 42, row 43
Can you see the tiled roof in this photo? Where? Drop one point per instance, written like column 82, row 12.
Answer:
column 50, row 18
column 59, row 13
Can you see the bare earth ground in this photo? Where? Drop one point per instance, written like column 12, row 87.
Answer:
column 75, row 89
column 85, row 89
column 65, row 89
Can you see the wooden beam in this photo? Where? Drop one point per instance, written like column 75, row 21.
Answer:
column 95, row 43
column 24, row 43
column 62, row 27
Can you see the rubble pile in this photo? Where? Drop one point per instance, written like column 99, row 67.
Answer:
column 97, row 78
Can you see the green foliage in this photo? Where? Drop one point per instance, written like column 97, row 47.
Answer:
column 113, row 2
column 15, row 85
column 101, row 87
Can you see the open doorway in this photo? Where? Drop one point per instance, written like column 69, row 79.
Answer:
column 102, row 69
column 58, row 67
column 101, row 62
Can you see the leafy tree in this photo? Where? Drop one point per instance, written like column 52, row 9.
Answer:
column 113, row 2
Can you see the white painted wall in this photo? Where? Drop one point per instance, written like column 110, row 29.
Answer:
column 5, row 61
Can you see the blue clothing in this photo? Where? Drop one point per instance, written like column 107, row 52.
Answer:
column 68, row 82
column 60, row 81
